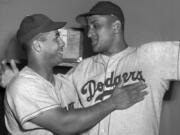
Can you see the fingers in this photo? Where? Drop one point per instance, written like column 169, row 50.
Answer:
column 135, row 85
column 143, row 93
column 3, row 65
column 13, row 66
column 129, row 95
column 9, row 70
column 139, row 95
column 131, row 88
column 135, row 90
column 9, row 65
column 138, row 86
column 137, row 98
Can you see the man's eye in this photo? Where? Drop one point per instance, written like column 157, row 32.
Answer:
column 93, row 26
column 96, row 26
column 88, row 27
column 57, row 35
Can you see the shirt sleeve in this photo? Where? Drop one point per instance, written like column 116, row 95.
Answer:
column 164, row 57
column 28, row 98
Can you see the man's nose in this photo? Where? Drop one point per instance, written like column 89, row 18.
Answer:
column 90, row 32
column 61, row 42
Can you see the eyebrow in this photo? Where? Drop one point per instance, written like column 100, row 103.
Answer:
column 92, row 21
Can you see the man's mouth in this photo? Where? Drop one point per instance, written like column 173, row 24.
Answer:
column 94, row 41
column 60, row 52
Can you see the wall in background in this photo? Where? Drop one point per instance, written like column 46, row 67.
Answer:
column 146, row 20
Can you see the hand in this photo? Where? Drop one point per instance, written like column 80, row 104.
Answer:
column 7, row 72
column 126, row 96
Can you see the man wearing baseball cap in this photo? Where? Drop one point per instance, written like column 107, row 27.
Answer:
column 156, row 63
column 37, row 101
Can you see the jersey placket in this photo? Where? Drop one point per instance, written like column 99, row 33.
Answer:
column 104, row 125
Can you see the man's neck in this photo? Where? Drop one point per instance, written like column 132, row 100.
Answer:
column 120, row 42
column 43, row 70
column 119, row 45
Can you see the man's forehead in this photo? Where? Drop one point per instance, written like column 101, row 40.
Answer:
column 54, row 31
column 47, row 34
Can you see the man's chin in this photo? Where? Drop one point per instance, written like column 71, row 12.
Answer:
column 59, row 61
column 96, row 50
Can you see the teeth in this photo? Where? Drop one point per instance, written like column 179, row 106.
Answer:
column 93, row 42
column 60, row 52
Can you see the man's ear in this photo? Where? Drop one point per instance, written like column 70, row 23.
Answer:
column 116, row 26
column 36, row 46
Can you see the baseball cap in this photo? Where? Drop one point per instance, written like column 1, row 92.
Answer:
column 102, row 8
column 35, row 24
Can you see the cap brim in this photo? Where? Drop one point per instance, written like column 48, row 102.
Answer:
column 82, row 18
column 44, row 28
column 54, row 26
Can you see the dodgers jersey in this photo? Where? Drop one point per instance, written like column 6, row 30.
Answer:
column 155, row 63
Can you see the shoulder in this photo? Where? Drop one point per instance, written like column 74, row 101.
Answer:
column 158, row 45
column 85, row 64
column 153, row 53
column 157, row 48
column 88, row 60
column 62, row 79
column 22, row 83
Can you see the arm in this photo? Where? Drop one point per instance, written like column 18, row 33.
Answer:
column 61, row 121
